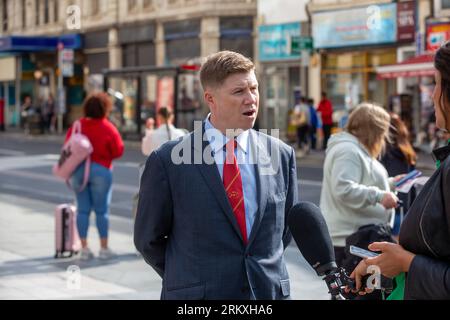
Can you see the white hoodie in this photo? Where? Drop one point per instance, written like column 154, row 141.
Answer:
column 353, row 185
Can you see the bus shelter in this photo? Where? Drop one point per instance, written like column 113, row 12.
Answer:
column 138, row 93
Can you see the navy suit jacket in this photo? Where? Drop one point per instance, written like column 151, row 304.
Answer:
column 186, row 230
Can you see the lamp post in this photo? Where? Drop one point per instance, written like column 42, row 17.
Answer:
column 61, row 93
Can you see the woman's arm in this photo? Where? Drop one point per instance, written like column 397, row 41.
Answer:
column 428, row 278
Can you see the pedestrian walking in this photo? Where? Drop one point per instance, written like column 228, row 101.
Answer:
column 302, row 119
column 107, row 145
column 50, row 114
column 315, row 123
column 326, row 113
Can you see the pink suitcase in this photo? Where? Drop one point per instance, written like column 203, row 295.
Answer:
column 67, row 240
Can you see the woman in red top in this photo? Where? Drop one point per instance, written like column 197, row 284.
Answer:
column 107, row 145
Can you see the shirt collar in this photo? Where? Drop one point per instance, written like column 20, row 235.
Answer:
column 218, row 144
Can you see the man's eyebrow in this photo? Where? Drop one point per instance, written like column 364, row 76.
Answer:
column 241, row 85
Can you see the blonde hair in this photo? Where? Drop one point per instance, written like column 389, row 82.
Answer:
column 221, row 65
column 370, row 124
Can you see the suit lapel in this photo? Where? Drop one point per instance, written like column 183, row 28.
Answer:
column 262, row 182
column 212, row 178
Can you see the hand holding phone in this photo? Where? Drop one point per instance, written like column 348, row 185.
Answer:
column 360, row 252
column 411, row 175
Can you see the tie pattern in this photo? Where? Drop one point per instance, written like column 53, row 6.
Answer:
column 232, row 182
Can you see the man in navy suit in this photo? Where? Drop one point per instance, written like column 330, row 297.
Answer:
column 213, row 206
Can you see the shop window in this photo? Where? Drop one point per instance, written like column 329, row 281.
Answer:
column 182, row 41
column 179, row 51
column 123, row 92
column 242, row 45
column 236, row 34
column 382, row 58
column 344, row 60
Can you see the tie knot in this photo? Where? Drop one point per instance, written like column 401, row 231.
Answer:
column 231, row 145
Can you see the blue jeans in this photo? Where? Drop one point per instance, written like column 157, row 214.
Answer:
column 96, row 196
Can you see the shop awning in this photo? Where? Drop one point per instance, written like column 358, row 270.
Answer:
column 15, row 44
column 414, row 67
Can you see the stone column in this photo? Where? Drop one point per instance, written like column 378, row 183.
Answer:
column 210, row 35
column 115, row 50
column 160, row 45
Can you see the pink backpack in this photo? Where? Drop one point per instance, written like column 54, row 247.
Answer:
column 77, row 149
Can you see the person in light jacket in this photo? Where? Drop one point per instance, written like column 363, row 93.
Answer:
column 356, row 189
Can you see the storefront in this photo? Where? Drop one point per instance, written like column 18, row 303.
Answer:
column 280, row 76
column 8, row 71
column 352, row 43
column 36, row 62
column 414, row 106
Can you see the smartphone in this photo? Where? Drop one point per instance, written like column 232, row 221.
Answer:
column 360, row 252
column 411, row 175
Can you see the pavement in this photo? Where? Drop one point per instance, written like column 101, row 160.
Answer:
column 28, row 269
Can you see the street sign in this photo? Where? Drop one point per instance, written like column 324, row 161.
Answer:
column 67, row 57
column 299, row 44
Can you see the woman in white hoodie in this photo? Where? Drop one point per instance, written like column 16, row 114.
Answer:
column 356, row 189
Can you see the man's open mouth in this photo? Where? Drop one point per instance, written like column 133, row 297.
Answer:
column 249, row 113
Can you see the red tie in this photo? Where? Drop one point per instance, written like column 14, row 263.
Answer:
column 232, row 182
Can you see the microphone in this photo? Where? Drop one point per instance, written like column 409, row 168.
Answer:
column 310, row 232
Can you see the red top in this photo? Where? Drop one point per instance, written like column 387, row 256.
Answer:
column 105, row 140
column 326, row 110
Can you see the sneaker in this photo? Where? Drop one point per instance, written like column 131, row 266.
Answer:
column 86, row 254
column 106, row 254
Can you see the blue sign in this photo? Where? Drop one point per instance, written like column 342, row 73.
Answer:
column 275, row 41
column 38, row 43
column 373, row 24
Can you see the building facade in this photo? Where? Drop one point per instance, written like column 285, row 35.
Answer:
column 282, row 65
column 121, row 34
column 356, row 42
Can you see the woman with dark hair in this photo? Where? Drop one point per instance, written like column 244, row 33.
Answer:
column 420, row 262
column 399, row 158
column 107, row 145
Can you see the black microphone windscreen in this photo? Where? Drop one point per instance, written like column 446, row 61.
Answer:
column 310, row 232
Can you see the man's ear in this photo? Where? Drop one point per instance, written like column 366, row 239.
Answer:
column 209, row 99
